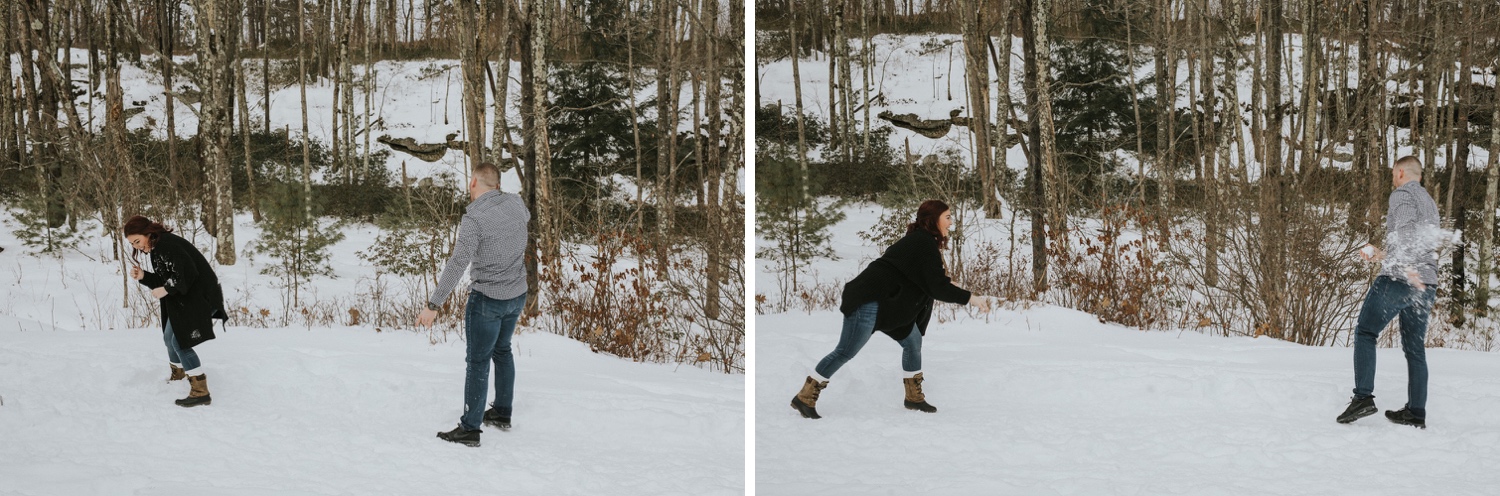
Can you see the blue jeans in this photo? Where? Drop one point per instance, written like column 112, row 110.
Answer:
column 187, row 358
column 1388, row 298
column 858, row 327
column 488, row 326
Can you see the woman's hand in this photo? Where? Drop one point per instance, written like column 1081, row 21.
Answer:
column 159, row 293
column 983, row 303
column 136, row 272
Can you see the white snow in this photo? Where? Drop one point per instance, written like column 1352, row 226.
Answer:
column 924, row 74
column 353, row 411
column 325, row 410
column 420, row 99
column 1050, row 401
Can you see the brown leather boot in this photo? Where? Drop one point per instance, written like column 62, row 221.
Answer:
column 177, row 373
column 806, row 400
column 915, row 400
column 199, row 396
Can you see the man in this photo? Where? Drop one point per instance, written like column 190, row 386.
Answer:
column 491, row 237
column 1406, row 287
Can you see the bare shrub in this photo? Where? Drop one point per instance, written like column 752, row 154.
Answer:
column 1113, row 276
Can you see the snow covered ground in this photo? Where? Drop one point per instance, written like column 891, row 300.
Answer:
column 352, row 411
column 1050, row 401
column 325, row 410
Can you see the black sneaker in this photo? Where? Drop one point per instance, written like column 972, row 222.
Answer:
column 493, row 418
column 1358, row 408
column 461, row 436
column 1405, row 417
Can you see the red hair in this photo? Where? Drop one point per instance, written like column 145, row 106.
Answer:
column 927, row 221
column 144, row 227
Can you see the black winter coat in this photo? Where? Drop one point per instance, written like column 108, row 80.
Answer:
column 905, row 281
column 194, row 297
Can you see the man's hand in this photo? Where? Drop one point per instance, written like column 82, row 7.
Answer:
column 426, row 318
column 159, row 293
column 136, row 272
column 1371, row 254
column 1415, row 279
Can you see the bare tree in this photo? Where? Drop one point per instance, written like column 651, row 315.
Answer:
column 302, row 89
column 218, row 28
column 10, row 112
column 1487, row 227
column 1048, row 198
column 473, row 58
column 977, row 75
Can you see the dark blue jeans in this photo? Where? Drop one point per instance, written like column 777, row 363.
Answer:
column 488, row 325
column 858, row 327
column 1388, row 298
column 187, row 359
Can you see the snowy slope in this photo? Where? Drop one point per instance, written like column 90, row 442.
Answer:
column 420, row 99
column 352, row 411
column 1050, row 401
column 924, row 74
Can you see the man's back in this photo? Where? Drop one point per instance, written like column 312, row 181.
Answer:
column 1412, row 234
column 492, row 236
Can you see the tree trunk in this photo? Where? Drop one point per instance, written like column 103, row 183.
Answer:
column 473, row 58
column 1459, row 169
column 265, row 82
column 168, row 13
column 1487, row 228
column 546, row 235
column 307, row 216
column 1057, row 216
column 500, row 137
column 1312, row 80
column 666, row 117
column 797, row 106
column 1000, row 138
column 244, row 101
column 1212, row 144
column 977, row 76
column 218, row 23
column 1366, row 158
column 10, row 113
column 1272, row 259
column 635, row 132
column 714, row 167
column 845, row 81
column 866, row 62
column 1038, row 203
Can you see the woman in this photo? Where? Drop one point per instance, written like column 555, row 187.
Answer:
column 190, row 298
column 895, row 295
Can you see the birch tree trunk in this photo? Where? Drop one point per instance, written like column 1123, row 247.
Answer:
column 218, row 31
column 1057, row 214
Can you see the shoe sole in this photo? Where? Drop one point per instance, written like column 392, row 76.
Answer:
column 190, row 405
column 802, row 408
column 1358, row 414
column 914, row 406
column 1422, row 425
column 497, row 425
column 471, row 444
